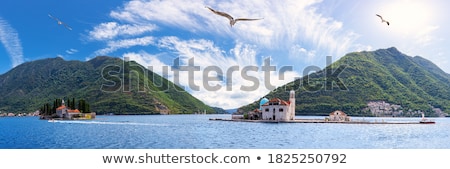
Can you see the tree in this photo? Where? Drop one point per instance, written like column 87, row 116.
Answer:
column 88, row 108
column 80, row 105
column 83, row 106
column 73, row 104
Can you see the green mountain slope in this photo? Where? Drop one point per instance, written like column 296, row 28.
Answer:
column 110, row 85
column 381, row 76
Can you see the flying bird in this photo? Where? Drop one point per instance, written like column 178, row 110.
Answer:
column 60, row 22
column 232, row 20
column 382, row 20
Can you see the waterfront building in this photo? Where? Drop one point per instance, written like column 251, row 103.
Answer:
column 280, row 110
column 66, row 113
column 338, row 116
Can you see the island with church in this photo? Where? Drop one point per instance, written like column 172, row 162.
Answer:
column 276, row 110
column 70, row 111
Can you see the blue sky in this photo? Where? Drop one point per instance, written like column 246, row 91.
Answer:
column 293, row 33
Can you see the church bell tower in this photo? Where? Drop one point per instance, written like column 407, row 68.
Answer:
column 292, row 105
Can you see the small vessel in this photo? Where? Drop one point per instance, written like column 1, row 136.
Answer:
column 426, row 121
column 51, row 120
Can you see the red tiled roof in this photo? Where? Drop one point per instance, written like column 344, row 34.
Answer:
column 284, row 102
column 61, row 107
column 274, row 100
column 277, row 100
column 73, row 111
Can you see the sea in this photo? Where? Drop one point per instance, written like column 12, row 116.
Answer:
column 198, row 132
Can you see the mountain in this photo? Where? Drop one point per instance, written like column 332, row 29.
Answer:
column 110, row 85
column 384, row 82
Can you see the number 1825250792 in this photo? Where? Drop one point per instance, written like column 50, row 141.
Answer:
column 307, row 158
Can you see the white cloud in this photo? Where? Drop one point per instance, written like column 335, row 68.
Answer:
column 178, row 13
column 426, row 36
column 360, row 48
column 71, row 51
column 10, row 40
column 298, row 52
column 146, row 59
column 111, row 30
column 88, row 58
column 285, row 23
column 424, row 42
column 125, row 43
column 226, row 72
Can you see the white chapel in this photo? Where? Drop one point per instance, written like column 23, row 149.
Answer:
column 280, row 110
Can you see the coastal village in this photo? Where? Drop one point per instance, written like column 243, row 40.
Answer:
column 36, row 113
column 385, row 109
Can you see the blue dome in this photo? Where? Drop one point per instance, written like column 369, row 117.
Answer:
column 263, row 101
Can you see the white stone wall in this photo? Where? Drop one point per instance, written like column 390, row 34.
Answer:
column 281, row 112
column 61, row 112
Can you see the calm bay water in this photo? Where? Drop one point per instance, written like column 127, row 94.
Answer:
column 196, row 131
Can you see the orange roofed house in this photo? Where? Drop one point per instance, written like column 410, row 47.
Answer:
column 66, row 113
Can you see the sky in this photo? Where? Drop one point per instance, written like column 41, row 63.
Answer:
column 221, row 65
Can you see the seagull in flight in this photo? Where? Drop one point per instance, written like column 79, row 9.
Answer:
column 60, row 22
column 232, row 20
column 382, row 20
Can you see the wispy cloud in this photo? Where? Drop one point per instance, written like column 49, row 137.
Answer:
column 426, row 36
column 111, row 30
column 176, row 13
column 285, row 24
column 10, row 40
column 220, row 75
column 298, row 52
column 118, row 36
column 71, row 51
column 125, row 43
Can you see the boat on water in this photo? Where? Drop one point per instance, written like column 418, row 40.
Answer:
column 426, row 121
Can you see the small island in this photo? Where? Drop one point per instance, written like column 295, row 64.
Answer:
column 61, row 111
